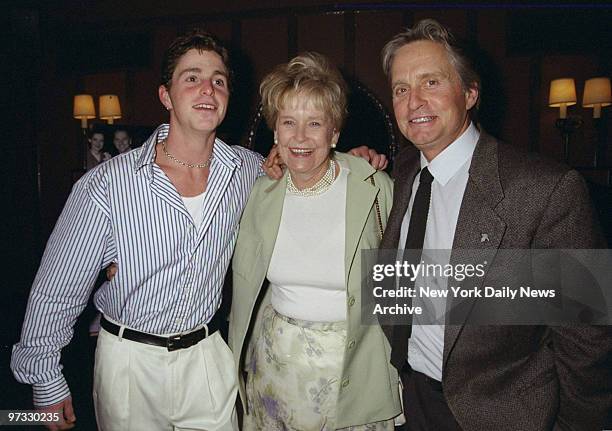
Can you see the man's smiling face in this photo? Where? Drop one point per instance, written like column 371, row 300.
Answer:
column 430, row 104
column 199, row 92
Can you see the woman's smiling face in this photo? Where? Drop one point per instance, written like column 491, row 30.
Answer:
column 305, row 135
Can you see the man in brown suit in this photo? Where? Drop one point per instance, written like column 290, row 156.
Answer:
column 485, row 195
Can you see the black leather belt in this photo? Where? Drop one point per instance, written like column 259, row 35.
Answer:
column 176, row 342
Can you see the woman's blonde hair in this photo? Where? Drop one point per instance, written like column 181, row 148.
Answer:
column 312, row 75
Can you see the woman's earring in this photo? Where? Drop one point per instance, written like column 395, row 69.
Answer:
column 333, row 145
column 275, row 140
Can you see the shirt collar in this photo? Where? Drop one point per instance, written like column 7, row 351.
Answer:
column 446, row 164
column 222, row 152
column 226, row 155
column 147, row 154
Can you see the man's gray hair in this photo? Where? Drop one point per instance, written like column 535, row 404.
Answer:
column 429, row 29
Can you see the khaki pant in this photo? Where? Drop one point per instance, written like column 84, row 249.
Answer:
column 143, row 387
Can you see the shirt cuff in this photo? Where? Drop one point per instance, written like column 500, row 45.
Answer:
column 49, row 393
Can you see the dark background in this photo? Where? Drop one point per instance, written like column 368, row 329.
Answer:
column 54, row 50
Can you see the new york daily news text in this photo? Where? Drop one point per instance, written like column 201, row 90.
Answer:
column 487, row 287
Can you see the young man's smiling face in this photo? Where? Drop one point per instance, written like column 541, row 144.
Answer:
column 198, row 93
column 430, row 104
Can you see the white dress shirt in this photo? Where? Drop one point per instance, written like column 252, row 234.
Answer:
column 450, row 170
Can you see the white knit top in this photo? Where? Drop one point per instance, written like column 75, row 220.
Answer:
column 306, row 271
column 195, row 205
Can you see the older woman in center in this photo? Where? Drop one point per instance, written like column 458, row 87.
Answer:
column 295, row 326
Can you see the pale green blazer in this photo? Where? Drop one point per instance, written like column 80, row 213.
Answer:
column 369, row 383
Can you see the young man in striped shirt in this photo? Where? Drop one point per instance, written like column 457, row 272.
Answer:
column 167, row 213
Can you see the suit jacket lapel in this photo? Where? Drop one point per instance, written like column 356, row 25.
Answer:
column 479, row 227
column 405, row 172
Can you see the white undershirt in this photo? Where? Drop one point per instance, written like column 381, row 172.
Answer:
column 450, row 170
column 306, row 271
column 195, row 206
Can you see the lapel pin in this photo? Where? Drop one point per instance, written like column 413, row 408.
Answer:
column 484, row 237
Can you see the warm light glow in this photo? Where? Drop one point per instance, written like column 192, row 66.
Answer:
column 562, row 94
column 83, row 108
column 597, row 94
column 109, row 108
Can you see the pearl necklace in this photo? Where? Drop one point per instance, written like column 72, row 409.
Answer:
column 180, row 162
column 319, row 187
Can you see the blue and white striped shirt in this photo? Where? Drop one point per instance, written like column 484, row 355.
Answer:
column 170, row 272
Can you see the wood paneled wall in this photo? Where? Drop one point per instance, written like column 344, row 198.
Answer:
column 352, row 34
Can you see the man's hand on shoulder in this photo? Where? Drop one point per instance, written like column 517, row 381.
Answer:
column 66, row 415
column 378, row 161
column 273, row 164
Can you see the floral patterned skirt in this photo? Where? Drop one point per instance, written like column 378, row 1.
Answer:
column 294, row 376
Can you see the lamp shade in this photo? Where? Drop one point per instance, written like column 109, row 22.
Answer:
column 109, row 108
column 597, row 94
column 562, row 94
column 83, row 108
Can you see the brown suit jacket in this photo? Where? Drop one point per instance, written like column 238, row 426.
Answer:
column 517, row 377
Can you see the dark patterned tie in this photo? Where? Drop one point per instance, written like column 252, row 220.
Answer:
column 412, row 253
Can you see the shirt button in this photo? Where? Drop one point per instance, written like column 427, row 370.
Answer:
column 351, row 344
column 178, row 321
column 345, row 383
column 351, row 301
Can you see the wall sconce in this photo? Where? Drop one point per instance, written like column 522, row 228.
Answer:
column 563, row 94
column 83, row 109
column 597, row 95
column 110, row 109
